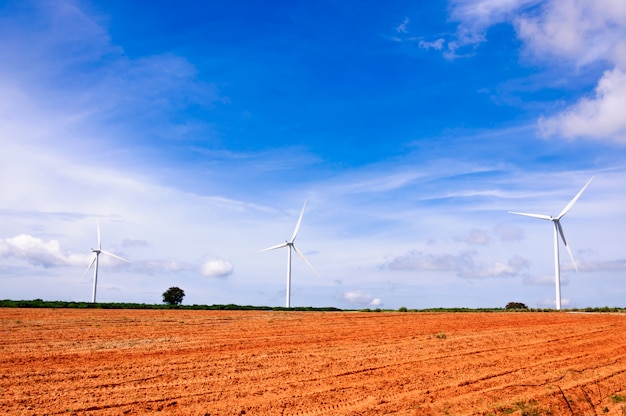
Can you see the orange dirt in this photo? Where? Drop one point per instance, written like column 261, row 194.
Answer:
column 112, row 362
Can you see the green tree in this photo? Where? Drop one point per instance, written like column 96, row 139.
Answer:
column 173, row 295
column 515, row 305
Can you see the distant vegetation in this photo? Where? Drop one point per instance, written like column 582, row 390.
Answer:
column 39, row 303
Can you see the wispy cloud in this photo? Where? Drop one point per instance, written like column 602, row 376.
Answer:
column 476, row 17
column 435, row 44
column 106, row 87
column 402, row 27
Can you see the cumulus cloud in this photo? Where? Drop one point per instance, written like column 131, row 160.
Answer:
column 578, row 32
column 361, row 299
column 463, row 264
column 213, row 267
column 598, row 117
column 216, row 268
column 39, row 252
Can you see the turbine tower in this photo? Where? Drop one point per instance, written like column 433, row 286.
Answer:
column 95, row 261
column 558, row 230
column 290, row 244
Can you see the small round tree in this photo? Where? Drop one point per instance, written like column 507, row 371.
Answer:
column 173, row 295
column 515, row 305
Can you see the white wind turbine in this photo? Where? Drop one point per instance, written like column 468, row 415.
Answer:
column 290, row 244
column 558, row 230
column 98, row 251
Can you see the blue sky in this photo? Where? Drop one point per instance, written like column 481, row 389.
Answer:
column 195, row 132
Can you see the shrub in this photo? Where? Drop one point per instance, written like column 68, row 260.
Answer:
column 617, row 398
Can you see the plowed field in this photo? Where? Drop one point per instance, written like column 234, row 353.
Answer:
column 112, row 362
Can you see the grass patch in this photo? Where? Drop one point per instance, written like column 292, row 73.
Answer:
column 618, row 398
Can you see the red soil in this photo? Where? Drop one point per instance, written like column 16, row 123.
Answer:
column 112, row 362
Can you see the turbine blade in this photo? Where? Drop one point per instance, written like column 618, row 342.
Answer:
column 573, row 201
column 295, row 231
column 571, row 256
column 114, row 255
column 305, row 260
column 540, row 216
column 89, row 267
column 274, row 247
column 98, row 227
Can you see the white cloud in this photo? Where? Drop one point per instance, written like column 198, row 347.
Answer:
column 39, row 252
column 583, row 32
column 475, row 17
column 600, row 117
column 436, row 44
column 402, row 27
column 216, row 268
column 361, row 299
column 580, row 30
column 577, row 31
column 464, row 264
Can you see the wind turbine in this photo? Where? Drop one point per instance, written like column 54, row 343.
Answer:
column 290, row 244
column 98, row 251
column 558, row 230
